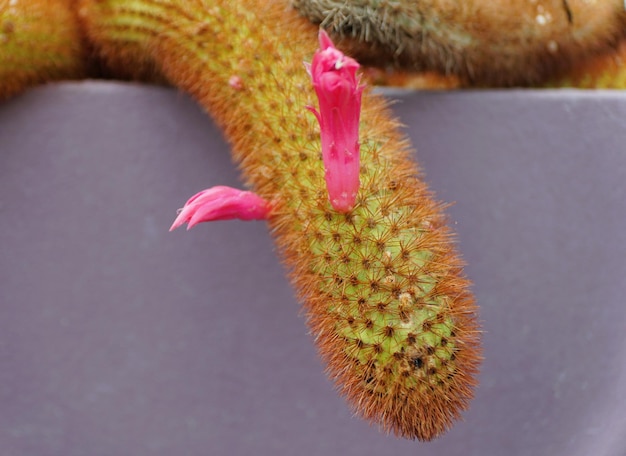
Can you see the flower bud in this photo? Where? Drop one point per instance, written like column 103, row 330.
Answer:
column 339, row 92
column 221, row 203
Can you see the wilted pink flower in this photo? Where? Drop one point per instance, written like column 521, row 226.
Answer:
column 339, row 92
column 221, row 203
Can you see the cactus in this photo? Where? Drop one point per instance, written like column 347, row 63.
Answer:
column 483, row 42
column 383, row 289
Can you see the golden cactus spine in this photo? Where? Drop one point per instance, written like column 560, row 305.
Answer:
column 383, row 288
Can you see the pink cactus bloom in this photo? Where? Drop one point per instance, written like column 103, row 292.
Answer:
column 221, row 203
column 339, row 92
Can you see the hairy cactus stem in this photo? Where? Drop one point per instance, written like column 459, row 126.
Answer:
column 382, row 284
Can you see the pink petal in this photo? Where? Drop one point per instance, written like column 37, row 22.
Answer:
column 325, row 41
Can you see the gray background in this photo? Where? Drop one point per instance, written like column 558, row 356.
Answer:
column 119, row 338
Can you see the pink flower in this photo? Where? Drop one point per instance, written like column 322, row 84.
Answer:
column 221, row 203
column 339, row 92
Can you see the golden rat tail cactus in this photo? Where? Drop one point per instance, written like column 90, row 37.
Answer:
column 382, row 285
column 491, row 42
